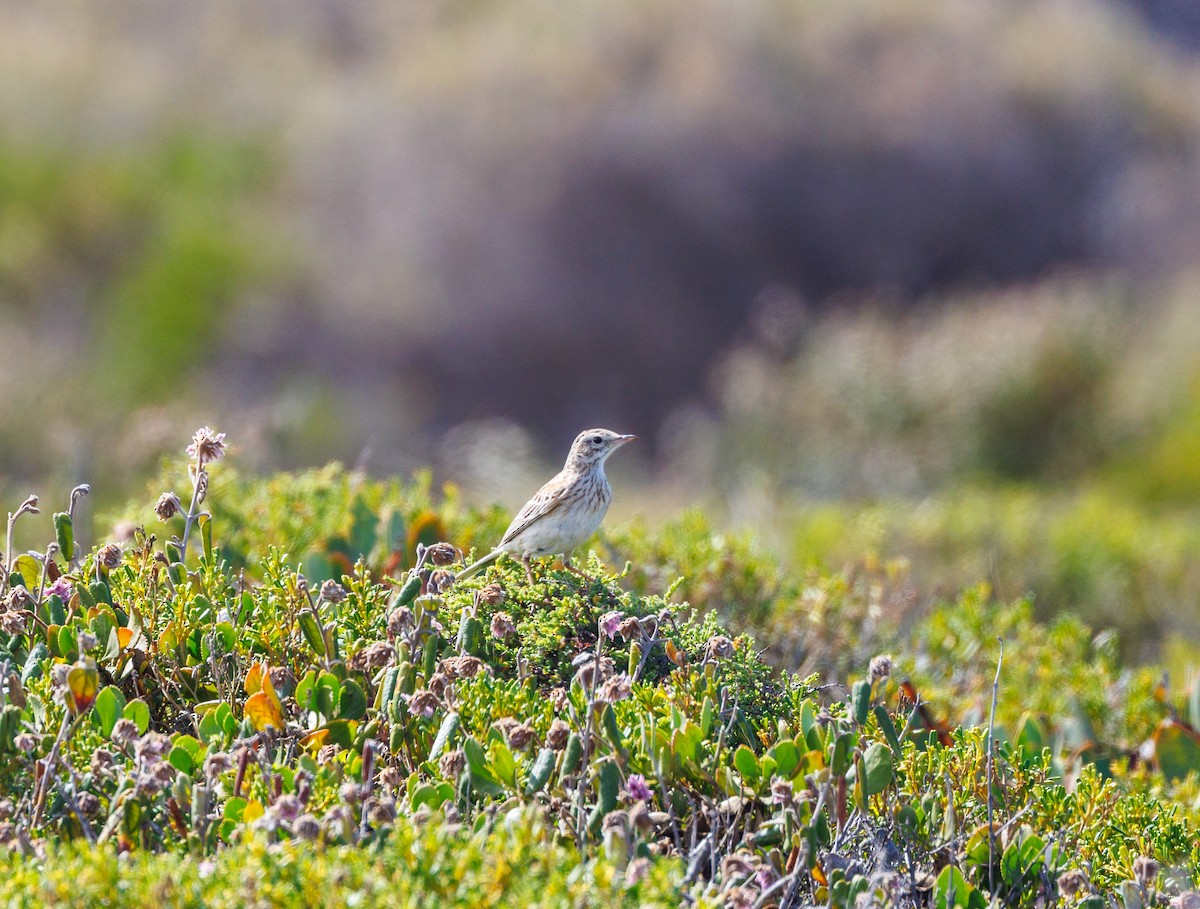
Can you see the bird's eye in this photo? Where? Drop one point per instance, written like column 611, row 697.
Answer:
column 596, row 440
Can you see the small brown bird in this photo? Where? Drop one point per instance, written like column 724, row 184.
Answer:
column 567, row 510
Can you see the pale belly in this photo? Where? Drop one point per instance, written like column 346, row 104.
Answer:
column 559, row 533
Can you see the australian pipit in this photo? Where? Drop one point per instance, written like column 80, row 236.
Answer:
column 567, row 510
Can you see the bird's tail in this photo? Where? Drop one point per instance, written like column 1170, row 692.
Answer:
column 476, row 567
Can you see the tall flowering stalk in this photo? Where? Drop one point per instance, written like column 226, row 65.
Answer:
column 206, row 446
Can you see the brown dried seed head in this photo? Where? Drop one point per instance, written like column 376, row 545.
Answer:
column 332, row 591
column 109, row 555
column 306, row 827
column 491, row 595
column 399, row 621
column 557, row 737
column 167, row 506
column 520, row 736
column 13, row 622
column 720, row 647
column 452, row 764
column 1071, row 882
column 880, row 668
column 1145, row 871
column 440, row 554
column 440, row 581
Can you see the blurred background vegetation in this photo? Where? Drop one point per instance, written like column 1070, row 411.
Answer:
column 907, row 279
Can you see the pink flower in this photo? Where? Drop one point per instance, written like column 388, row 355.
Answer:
column 636, row 787
column 610, row 622
column 60, row 588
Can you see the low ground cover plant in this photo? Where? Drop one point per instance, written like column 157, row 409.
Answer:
column 275, row 691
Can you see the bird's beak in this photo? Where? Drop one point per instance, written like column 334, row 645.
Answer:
column 621, row 440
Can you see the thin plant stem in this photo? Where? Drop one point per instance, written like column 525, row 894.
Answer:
column 991, row 740
column 191, row 514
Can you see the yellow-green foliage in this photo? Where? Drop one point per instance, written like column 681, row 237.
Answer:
column 421, row 864
column 370, row 730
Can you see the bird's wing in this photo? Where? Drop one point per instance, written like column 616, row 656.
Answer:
column 545, row 501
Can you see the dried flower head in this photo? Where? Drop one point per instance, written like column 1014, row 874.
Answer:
column 58, row 675
column 503, row 625
column 520, row 736
column 287, row 807
column 559, row 699
column 461, row 667
column 738, row 864
column 207, row 445
column 617, row 820
column 1145, row 871
column 781, row 791
column 19, row 598
column 438, row 684
column 720, row 647
column 641, row 817
column 1071, row 882
column 351, row 792
column 13, row 622
column 740, row 897
column 440, row 581
column 89, row 805
column 615, row 689
column 26, row 742
column 109, row 556
column 590, row 672
column 373, row 656
column 167, row 506
column 103, row 762
column 636, row 788
column 399, row 621
column 391, row 778
column 441, row 554
column 151, row 747
column 422, row 703
column 306, row 827
column 881, row 668
column 332, row 591
column 452, row 764
column 217, row 763
column 382, row 811
column 557, row 737
column 491, row 595
column 766, row 876
column 631, row 627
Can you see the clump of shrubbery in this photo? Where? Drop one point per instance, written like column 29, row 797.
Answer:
column 358, row 718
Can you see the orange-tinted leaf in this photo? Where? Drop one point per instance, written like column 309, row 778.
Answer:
column 83, row 684
column 426, row 528
column 316, row 739
column 675, row 655
column 124, row 636
column 264, row 711
column 254, row 678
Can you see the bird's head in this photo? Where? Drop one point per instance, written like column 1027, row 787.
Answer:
column 593, row 446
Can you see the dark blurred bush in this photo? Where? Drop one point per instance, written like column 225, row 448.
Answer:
column 563, row 215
